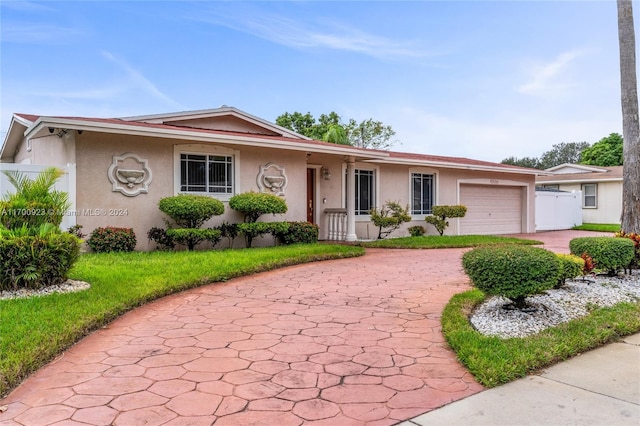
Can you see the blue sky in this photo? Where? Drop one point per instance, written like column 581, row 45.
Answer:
column 477, row 79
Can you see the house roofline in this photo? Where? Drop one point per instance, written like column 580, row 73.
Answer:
column 595, row 180
column 198, row 135
column 207, row 113
column 13, row 137
column 40, row 125
column 457, row 165
column 585, row 167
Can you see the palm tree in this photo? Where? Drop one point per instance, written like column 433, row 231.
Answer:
column 630, row 125
column 35, row 202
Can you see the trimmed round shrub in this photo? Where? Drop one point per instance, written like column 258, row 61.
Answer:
column 416, row 231
column 190, row 237
column 514, row 272
column 610, row 254
column 572, row 266
column 191, row 211
column 439, row 215
column 255, row 204
column 255, row 229
column 36, row 261
column 300, row 233
column 109, row 239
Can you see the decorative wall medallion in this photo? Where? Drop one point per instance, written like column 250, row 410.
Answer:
column 271, row 178
column 129, row 174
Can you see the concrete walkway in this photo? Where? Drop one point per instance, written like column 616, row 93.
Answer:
column 600, row 387
column 345, row 342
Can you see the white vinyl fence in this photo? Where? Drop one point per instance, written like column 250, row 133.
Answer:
column 558, row 210
column 66, row 183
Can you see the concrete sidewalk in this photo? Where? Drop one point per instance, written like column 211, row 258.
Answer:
column 600, row 387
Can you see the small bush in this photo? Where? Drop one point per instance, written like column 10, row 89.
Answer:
column 160, row 237
column 105, row 240
column 572, row 266
column 190, row 237
column 76, row 230
column 389, row 218
column 588, row 264
column 255, row 204
column 255, row 229
column 299, row 233
column 440, row 215
column 416, row 231
column 229, row 231
column 514, row 272
column 635, row 263
column 610, row 254
column 36, row 261
column 191, row 211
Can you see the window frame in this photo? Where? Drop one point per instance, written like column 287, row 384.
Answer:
column 594, row 195
column 436, row 186
column 433, row 176
column 376, row 188
column 207, row 151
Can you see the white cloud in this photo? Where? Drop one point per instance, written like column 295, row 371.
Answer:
column 305, row 34
column 428, row 132
column 549, row 78
column 140, row 81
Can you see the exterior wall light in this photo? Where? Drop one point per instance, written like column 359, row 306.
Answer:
column 326, row 173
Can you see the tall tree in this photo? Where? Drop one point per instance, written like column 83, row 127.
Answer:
column 630, row 124
column 329, row 127
column 606, row 152
column 530, row 162
column 562, row 153
column 370, row 134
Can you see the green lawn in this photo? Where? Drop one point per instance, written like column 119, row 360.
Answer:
column 599, row 227
column 34, row 330
column 495, row 361
column 445, row 241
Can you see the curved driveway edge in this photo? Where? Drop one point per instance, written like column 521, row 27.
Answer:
column 342, row 342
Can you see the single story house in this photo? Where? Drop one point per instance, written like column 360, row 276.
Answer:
column 122, row 167
column 601, row 189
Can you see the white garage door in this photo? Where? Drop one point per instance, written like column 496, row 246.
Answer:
column 491, row 209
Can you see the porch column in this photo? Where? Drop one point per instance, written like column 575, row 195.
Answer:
column 351, row 200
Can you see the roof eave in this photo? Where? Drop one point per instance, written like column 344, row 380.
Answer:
column 458, row 166
column 205, row 113
column 17, row 130
column 193, row 135
column 596, row 180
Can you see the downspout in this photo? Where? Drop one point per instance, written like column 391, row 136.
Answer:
column 351, row 199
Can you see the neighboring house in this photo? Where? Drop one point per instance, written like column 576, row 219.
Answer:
column 124, row 166
column 601, row 189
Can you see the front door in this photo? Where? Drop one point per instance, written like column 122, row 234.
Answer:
column 311, row 195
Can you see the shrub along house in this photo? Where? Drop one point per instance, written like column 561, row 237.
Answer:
column 121, row 167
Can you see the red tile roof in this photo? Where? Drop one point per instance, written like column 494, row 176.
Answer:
column 460, row 161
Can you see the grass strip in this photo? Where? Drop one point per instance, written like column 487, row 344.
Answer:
column 35, row 330
column 598, row 227
column 445, row 241
column 495, row 361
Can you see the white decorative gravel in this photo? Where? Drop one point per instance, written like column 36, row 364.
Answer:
column 573, row 300
column 68, row 286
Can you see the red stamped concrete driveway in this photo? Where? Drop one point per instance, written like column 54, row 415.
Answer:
column 343, row 342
